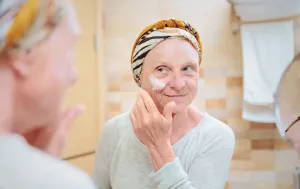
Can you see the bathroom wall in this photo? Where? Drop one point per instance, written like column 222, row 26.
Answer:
column 261, row 159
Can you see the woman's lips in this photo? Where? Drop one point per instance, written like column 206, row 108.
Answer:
column 175, row 97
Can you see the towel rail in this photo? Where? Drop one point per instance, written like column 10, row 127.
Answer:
column 237, row 22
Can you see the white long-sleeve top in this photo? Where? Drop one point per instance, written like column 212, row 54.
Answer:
column 203, row 158
column 25, row 167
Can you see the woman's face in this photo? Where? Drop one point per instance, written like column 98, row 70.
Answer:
column 50, row 72
column 174, row 64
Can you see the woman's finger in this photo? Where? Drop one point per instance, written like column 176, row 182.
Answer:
column 140, row 105
column 149, row 103
column 136, row 114
column 132, row 117
column 71, row 115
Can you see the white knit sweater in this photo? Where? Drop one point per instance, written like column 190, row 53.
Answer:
column 203, row 158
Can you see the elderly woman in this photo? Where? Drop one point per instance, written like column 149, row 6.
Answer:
column 164, row 142
column 37, row 39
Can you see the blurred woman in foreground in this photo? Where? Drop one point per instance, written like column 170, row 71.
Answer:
column 37, row 40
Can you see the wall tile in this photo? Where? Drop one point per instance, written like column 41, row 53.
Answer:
column 266, row 144
column 239, row 176
column 215, row 92
column 255, row 125
column 201, row 72
column 263, row 176
column 114, row 107
column 241, row 165
column 114, row 87
column 263, row 185
column 234, row 102
column 284, row 177
column 218, row 113
column 216, row 103
column 282, row 145
column 128, row 105
column 242, row 150
column 222, row 71
column 264, row 134
column 284, row 186
column 235, row 91
column 129, row 87
column 235, row 113
column 234, row 81
column 128, row 78
column 215, row 88
column 113, row 97
column 263, row 160
column 239, row 135
column 238, row 124
column 286, row 159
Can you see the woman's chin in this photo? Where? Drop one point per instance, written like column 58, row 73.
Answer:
column 179, row 108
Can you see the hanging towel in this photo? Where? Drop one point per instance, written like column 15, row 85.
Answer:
column 268, row 49
column 256, row 113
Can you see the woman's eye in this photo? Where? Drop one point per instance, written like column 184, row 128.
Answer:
column 162, row 70
column 188, row 68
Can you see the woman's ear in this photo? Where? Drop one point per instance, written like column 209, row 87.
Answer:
column 20, row 63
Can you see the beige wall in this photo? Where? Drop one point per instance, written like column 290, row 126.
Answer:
column 261, row 158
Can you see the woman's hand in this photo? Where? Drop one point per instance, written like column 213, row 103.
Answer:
column 52, row 138
column 154, row 129
column 150, row 126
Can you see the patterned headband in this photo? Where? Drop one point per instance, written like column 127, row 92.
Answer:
column 156, row 33
column 20, row 18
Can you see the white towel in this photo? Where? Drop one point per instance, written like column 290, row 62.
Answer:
column 255, row 113
column 268, row 49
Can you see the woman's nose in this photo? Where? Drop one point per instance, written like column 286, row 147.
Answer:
column 177, row 82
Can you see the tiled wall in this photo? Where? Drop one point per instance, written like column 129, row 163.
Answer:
column 261, row 160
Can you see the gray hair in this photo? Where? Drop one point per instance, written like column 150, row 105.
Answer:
column 37, row 31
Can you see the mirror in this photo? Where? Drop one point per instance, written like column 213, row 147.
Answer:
column 287, row 103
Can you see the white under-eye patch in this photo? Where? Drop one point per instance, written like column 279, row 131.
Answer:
column 156, row 83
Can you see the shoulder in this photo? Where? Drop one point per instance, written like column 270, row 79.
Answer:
column 113, row 130
column 218, row 128
column 54, row 173
column 119, row 119
column 64, row 175
column 117, row 124
column 217, row 134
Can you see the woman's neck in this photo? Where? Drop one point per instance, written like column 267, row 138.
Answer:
column 185, row 121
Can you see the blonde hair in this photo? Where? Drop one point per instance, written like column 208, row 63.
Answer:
column 25, row 23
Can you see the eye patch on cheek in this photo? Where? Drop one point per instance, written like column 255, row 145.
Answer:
column 156, row 84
